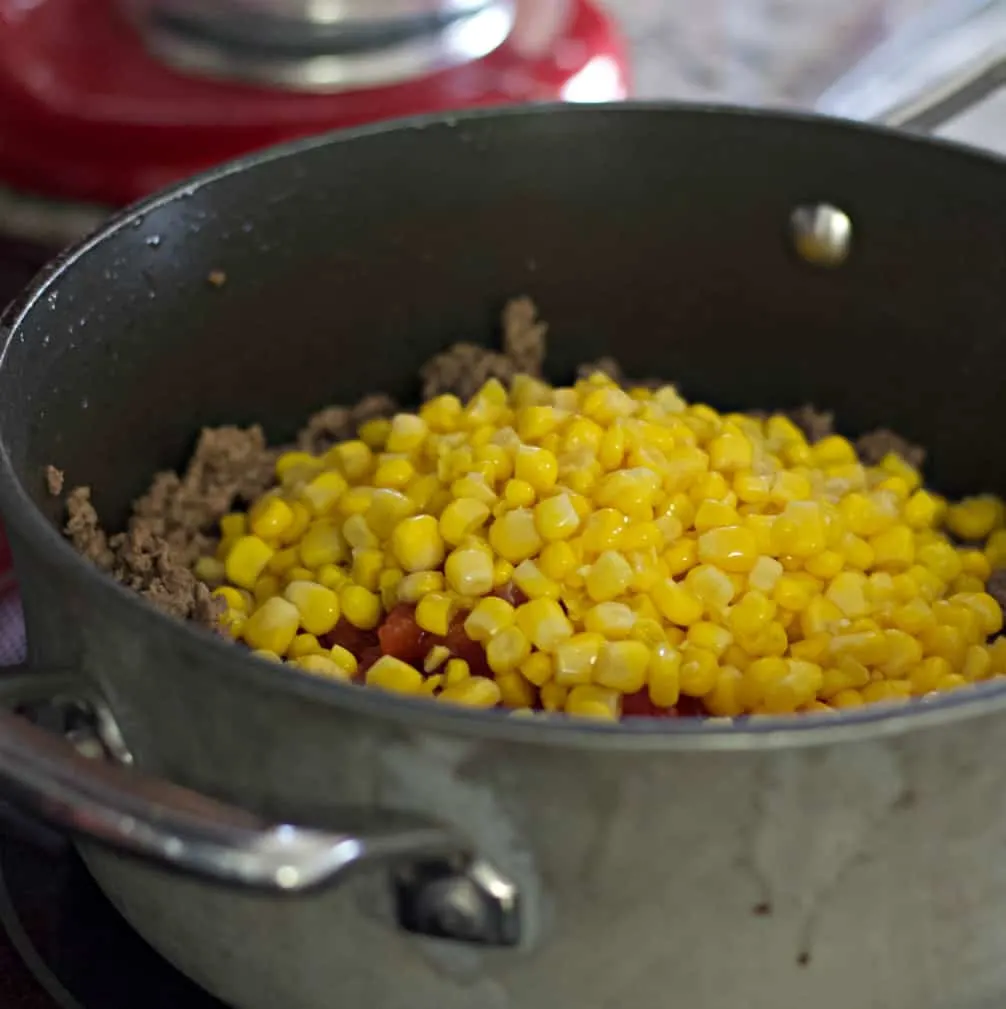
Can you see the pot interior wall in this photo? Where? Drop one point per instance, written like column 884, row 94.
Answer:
column 656, row 235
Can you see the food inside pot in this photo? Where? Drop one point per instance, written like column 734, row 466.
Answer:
column 602, row 549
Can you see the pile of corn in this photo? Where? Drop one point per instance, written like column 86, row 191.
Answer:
column 658, row 547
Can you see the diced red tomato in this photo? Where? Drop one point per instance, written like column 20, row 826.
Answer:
column 639, row 705
column 366, row 659
column 463, row 647
column 349, row 637
column 402, row 637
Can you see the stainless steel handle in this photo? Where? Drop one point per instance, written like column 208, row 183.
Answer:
column 47, row 777
column 942, row 63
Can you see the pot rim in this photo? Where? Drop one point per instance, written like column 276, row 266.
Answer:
column 637, row 734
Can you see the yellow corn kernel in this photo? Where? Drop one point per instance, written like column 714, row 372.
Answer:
column 515, row 691
column 544, row 623
column 514, row 535
column 344, row 659
column 519, row 493
column 681, row 557
column 886, row 691
column 730, row 450
column 820, row 616
column 870, row 647
column 537, row 467
column 387, row 508
column 613, row 620
column 752, row 488
column 847, row 699
column 321, row 494
column 407, row 434
column 490, row 616
column 946, row 641
column 461, row 518
column 791, row 486
column 610, row 576
column 913, row 617
column 590, row 701
column 297, row 573
column 323, row 543
column 953, row 613
column 941, row 559
column 621, row 666
column 431, row 685
column 233, row 623
column 699, row 670
column 765, row 574
column 455, row 671
column 713, row 488
column 928, row 674
column 538, row 668
column 611, row 448
column 663, row 675
column 233, row 526
column 210, row 570
column 412, row 587
column 321, row 665
column 575, row 659
column 367, row 568
column 530, row 579
column 394, row 472
column 270, row 516
column 997, row 653
column 234, row 598
column 273, row 626
column 825, row 565
column 986, row 609
column 289, row 461
column 929, row 585
column 507, row 649
column 603, row 530
column 800, row 530
column 713, row 514
column 710, row 636
column 360, row 606
column 557, row 560
column 833, row 450
column 318, row 606
column 769, row 641
column 847, row 591
column 556, row 518
column 753, row 612
column 472, row 692
column 793, row 593
column 435, row 658
column 265, row 587
column 264, row 653
column 977, row 664
column 417, row 543
column 246, row 560
column 389, row 673
column 469, row 571
column 995, row 550
column 434, row 612
column 356, row 501
column 796, row 688
column 442, row 414
column 284, row 560
column 975, row 518
column 731, row 548
column 894, row 549
column 304, row 644
column 713, row 587
column 356, row 458
column 967, row 583
column 676, row 603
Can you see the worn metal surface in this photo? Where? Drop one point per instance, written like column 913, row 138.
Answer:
column 848, row 861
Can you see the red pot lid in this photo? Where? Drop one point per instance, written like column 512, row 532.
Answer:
column 87, row 114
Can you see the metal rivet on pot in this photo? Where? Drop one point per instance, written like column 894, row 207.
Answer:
column 821, row 234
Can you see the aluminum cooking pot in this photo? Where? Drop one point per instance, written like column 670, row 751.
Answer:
column 759, row 260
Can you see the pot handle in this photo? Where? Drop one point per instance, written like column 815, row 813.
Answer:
column 47, row 777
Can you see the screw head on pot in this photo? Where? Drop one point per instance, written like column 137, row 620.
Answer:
column 821, row 234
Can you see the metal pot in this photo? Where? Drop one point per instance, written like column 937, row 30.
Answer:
column 758, row 259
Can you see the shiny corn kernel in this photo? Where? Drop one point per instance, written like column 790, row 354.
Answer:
column 765, row 574
column 434, row 612
column 514, row 535
column 323, row 543
column 590, row 701
column 613, row 620
column 389, row 673
column 622, row 666
column 556, row 518
column 321, row 665
column 793, row 593
column 318, row 606
column 986, row 609
column 530, row 579
column 472, row 692
column 515, row 691
column 574, row 659
column 848, row 592
column 412, row 587
column 537, row 467
column 356, row 458
column 321, row 495
column 210, row 570
column 507, row 649
column 417, row 543
column 490, row 616
column 273, row 626
column 234, row 598
column 502, row 573
column 538, row 668
column 246, row 560
column 544, row 623
column 681, row 557
column 360, row 606
column 712, row 637
column 711, row 586
column 699, row 669
column 610, row 576
column 557, row 560
column 676, row 603
column 270, row 516
column 731, row 548
column 469, row 571
column 975, row 518
column 461, row 518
